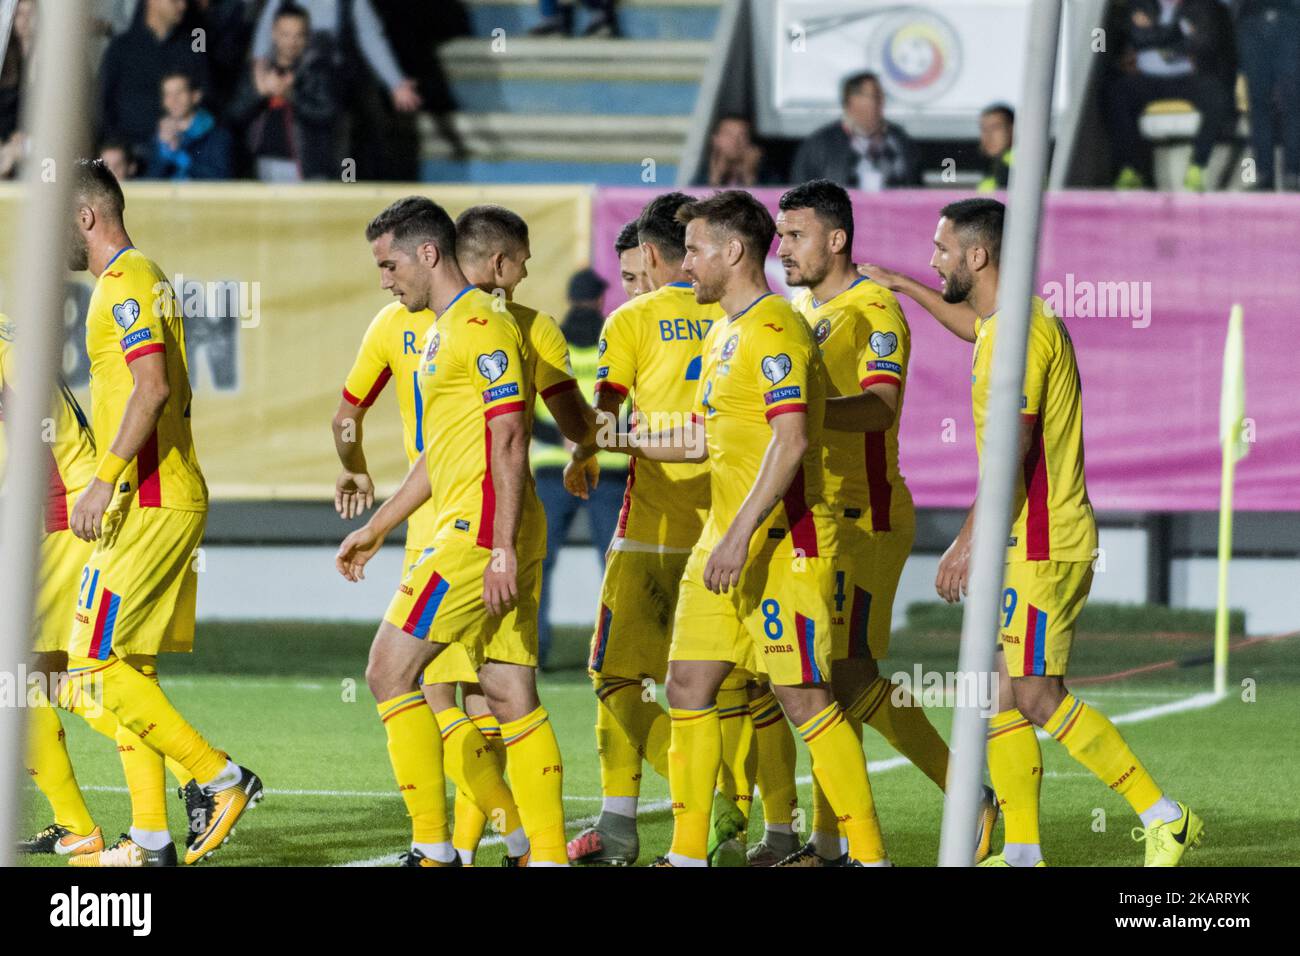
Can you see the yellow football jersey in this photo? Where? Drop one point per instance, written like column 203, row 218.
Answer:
column 72, row 452
column 652, row 347
column 473, row 367
column 390, row 349
column 1054, row 520
column 132, row 313
column 546, row 353
column 864, row 340
column 761, row 363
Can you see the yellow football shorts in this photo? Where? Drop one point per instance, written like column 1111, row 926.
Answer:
column 453, row 665
column 634, row 624
column 137, row 592
column 63, row 561
column 441, row 599
column 1041, row 600
column 777, row 622
column 867, row 568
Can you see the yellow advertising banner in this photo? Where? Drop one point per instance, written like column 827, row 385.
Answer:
column 278, row 284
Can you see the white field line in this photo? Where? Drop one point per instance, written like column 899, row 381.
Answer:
column 1194, row 702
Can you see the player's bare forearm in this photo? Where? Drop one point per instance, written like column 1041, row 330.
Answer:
column 509, row 474
column 413, row 492
column 347, row 437
column 573, row 416
column 606, row 430
column 144, row 406
column 685, row 444
column 871, row 411
column 781, row 462
column 957, row 317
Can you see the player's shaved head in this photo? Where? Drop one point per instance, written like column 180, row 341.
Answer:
column 735, row 214
column 98, row 205
column 978, row 222
column 413, row 221
column 98, row 188
column 486, row 230
column 658, row 225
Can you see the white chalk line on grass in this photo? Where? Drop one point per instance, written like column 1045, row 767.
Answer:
column 1194, row 702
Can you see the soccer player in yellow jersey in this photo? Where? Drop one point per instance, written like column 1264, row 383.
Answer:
column 145, row 508
column 1049, row 558
column 477, row 582
column 492, row 246
column 63, row 556
column 650, row 348
column 759, row 584
column 865, row 344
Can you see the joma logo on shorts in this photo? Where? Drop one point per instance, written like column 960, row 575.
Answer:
column 405, row 590
column 776, row 649
column 1010, row 639
column 82, row 619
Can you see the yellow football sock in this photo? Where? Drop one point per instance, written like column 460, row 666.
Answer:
column 890, row 710
column 470, row 821
column 102, row 721
column 415, row 751
column 693, row 759
column 537, row 778
column 1016, row 769
column 141, row 706
column 646, row 723
column 620, row 760
column 739, row 756
column 1093, row 740
column 841, row 767
column 471, row 764
column 51, row 768
column 774, row 746
column 823, row 814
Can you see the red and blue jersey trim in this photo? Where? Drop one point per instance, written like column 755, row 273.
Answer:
column 603, row 624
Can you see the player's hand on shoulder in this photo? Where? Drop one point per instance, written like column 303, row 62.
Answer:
column 88, row 513
column 355, row 551
column 888, row 278
column 354, row 493
column 500, row 587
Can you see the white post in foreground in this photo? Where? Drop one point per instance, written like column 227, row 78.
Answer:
column 1001, row 434
column 55, row 114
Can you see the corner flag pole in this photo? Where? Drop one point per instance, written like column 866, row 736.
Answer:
column 55, row 112
column 1001, row 438
column 1232, row 414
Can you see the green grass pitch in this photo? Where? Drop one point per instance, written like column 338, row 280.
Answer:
column 289, row 700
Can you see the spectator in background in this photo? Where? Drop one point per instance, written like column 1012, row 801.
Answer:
column 1268, row 46
column 415, row 29
column 344, row 35
column 997, row 124
column 1177, row 49
column 550, row 452
column 631, row 268
column 190, row 144
column 557, row 19
column 288, row 104
column 861, row 150
column 133, row 67
column 15, row 74
column 735, row 160
column 228, row 33
column 116, row 154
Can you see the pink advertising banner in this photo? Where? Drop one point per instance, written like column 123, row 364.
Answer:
column 1145, row 283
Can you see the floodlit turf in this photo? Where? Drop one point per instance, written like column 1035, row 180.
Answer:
column 289, row 701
